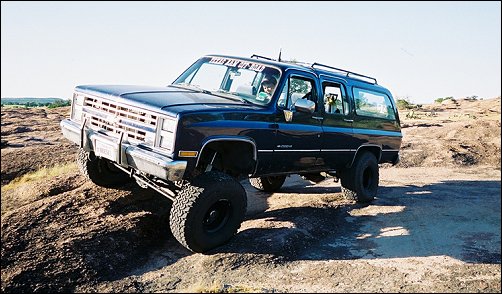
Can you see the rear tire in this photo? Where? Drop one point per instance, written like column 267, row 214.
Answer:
column 208, row 212
column 268, row 184
column 360, row 182
column 100, row 171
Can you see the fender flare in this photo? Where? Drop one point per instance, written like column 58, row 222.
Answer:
column 366, row 146
column 213, row 139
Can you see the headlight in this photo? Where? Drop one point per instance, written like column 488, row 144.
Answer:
column 77, row 105
column 166, row 140
column 167, row 133
column 169, row 124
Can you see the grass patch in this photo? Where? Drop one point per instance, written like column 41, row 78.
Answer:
column 43, row 174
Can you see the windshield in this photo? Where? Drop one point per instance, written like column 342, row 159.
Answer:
column 232, row 78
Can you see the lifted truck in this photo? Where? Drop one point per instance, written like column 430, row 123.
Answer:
column 228, row 118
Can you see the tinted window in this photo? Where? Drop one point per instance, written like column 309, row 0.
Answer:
column 335, row 100
column 374, row 104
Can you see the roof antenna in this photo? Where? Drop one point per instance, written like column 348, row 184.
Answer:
column 279, row 55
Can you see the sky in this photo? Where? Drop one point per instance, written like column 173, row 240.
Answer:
column 420, row 51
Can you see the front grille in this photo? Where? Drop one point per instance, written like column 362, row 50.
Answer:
column 118, row 118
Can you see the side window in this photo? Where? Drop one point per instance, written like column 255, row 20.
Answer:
column 297, row 88
column 335, row 100
column 374, row 104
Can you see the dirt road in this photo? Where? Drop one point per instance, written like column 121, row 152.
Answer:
column 439, row 234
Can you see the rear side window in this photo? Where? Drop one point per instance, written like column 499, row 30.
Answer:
column 335, row 100
column 373, row 104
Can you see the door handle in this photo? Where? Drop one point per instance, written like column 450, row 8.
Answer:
column 348, row 120
column 318, row 117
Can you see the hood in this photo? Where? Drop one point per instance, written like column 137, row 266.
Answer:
column 168, row 98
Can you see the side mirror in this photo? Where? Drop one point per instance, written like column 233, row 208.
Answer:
column 304, row 105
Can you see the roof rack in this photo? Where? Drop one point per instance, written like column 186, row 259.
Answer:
column 280, row 60
column 343, row 70
column 306, row 64
column 263, row 57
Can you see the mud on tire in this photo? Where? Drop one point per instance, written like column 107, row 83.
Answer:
column 268, row 184
column 208, row 212
column 100, row 171
column 360, row 182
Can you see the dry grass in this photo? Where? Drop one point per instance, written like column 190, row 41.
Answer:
column 42, row 174
column 33, row 186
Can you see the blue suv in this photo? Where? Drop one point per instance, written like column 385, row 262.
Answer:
column 228, row 118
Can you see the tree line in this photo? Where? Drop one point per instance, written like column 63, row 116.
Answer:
column 33, row 103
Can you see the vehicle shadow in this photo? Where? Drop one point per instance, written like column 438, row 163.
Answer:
column 150, row 243
column 258, row 200
column 460, row 219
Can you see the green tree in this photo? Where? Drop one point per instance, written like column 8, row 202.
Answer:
column 299, row 86
column 59, row 103
column 403, row 104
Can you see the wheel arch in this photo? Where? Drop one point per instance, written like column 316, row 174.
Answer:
column 242, row 149
column 376, row 150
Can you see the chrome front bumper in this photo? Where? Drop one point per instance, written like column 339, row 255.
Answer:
column 122, row 152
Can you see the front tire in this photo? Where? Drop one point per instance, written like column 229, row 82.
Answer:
column 100, row 171
column 208, row 212
column 360, row 182
column 267, row 184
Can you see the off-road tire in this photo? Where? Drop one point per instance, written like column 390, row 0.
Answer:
column 100, row 171
column 207, row 212
column 268, row 184
column 360, row 182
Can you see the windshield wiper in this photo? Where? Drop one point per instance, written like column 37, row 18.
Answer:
column 191, row 87
column 231, row 96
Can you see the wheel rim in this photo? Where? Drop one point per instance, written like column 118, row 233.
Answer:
column 217, row 216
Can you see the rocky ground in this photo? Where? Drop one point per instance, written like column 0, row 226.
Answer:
column 434, row 227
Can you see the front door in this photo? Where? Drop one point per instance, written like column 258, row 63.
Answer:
column 298, row 139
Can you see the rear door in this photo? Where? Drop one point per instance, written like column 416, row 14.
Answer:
column 338, row 145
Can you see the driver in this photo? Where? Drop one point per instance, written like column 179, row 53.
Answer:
column 267, row 87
